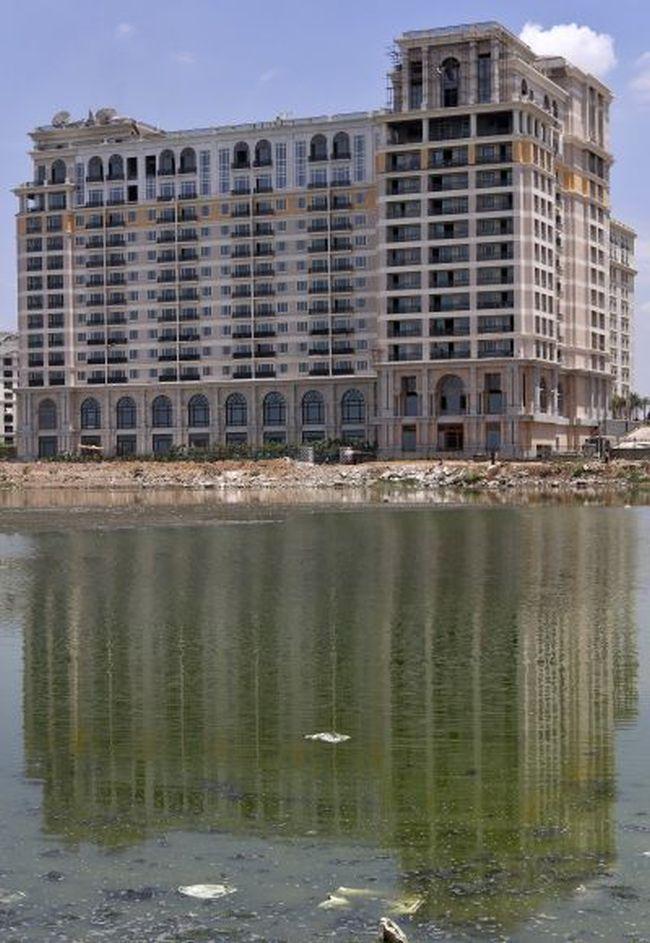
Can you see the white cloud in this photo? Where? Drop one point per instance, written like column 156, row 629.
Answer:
column 184, row 58
column 581, row 45
column 640, row 84
column 269, row 75
column 124, row 30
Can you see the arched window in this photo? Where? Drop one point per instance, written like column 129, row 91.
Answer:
column 91, row 415
column 341, row 146
column 318, row 147
column 241, row 155
column 274, row 409
column 236, row 410
column 313, row 408
column 451, row 397
column 449, row 82
column 95, row 170
column 115, row 167
column 198, row 411
column 263, row 156
column 543, row 396
column 47, row 418
column 188, row 161
column 161, row 412
column 126, row 414
column 58, row 172
column 353, row 407
column 167, row 163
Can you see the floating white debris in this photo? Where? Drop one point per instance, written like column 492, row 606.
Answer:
column 206, row 891
column 327, row 737
column 348, row 896
column 10, row 897
column 389, row 932
column 333, row 902
column 646, row 854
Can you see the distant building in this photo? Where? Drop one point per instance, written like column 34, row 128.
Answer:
column 621, row 305
column 433, row 277
column 8, row 386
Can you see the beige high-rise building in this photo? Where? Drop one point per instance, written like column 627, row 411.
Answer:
column 431, row 277
column 621, row 305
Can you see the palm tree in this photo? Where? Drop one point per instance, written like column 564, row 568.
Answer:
column 618, row 405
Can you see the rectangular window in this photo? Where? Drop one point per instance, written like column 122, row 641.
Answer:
column 300, row 163
column 224, row 170
column 79, row 182
column 484, row 77
column 281, row 165
column 204, row 167
column 359, row 158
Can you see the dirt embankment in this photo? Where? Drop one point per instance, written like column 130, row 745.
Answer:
column 278, row 474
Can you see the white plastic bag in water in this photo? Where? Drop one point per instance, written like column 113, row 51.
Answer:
column 206, row 891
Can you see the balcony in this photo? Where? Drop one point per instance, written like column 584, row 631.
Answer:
column 240, row 211
column 318, row 245
column 113, row 260
column 242, row 373
column 242, row 334
column 167, row 337
column 342, row 329
column 188, row 255
column 186, row 336
column 341, row 245
column 341, row 349
column 96, row 379
column 319, row 351
column 242, row 312
column 187, row 235
column 340, row 225
column 242, row 354
column 241, row 272
column 113, row 221
column 262, row 373
column 96, row 341
column 167, row 255
column 185, row 355
column 168, row 376
column 342, row 370
column 96, row 359
column 115, row 241
column 319, row 371
column 264, row 291
column 95, row 261
column 116, row 299
column 264, row 251
column 166, row 237
column 117, row 339
column 117, row 358
column 265, row 332
column 190, row 374
column 116, row 319
column 241, row 291
column 95, row 242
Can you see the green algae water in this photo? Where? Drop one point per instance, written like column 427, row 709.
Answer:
column 490, row 666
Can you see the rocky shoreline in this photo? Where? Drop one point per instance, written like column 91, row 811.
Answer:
column 282, row 474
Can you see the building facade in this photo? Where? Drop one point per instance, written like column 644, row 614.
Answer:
column 431, row 277
column 8, row 385
column 622, row 273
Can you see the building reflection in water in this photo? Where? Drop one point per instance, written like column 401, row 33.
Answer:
column 480, row 661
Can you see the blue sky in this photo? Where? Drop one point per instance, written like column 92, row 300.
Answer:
column 205, row 62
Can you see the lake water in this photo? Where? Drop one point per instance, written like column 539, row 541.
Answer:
column 159, row 673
